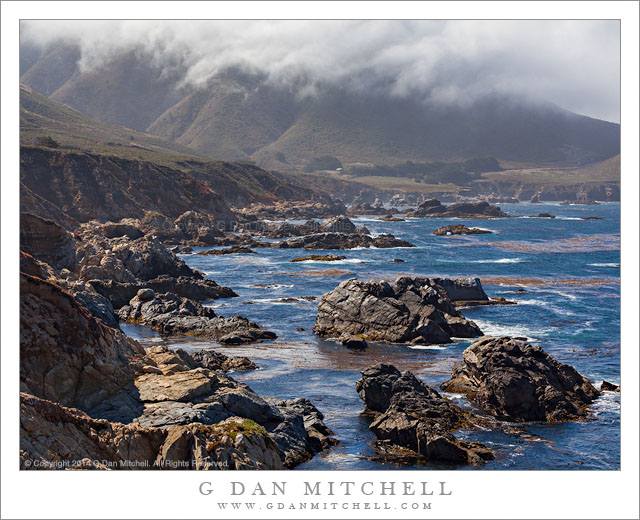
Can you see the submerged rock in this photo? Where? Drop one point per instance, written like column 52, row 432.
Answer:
column 409, row 414
column 516, row 381
column 413, row 310
column 320, row 258
column 169, row 313
column 233, row 250
column 460, row 229
column 352, row 341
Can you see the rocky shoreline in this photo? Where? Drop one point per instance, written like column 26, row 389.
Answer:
column 90, row 393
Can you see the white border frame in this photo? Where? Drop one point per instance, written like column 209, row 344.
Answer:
column 494, row 494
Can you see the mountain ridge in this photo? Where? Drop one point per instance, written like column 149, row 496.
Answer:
column 243, row 116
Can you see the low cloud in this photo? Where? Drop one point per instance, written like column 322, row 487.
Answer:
column 574, row 64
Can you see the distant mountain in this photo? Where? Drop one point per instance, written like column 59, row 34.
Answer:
column 241, row 116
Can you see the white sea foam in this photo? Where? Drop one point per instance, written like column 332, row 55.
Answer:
column 496, row 329
column 542, row 303
column 427, row 347
column 611, row 264
column 608, row 402
column 335, row 262
column 490, row 261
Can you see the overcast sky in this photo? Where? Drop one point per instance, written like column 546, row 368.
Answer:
column 574, row 64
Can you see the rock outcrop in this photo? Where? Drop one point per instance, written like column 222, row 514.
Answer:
column 192, row 287
column 412, row 416
column 169, row 313
column 177, row 388
column 53, row 436
column 413, row 310
column 518, row 382
column 293, row 210
column 434, row 208
column 324, row 241
column 460, row 229
column 365, row 209
column 125, row 260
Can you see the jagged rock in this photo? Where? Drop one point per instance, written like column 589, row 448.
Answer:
column 413, row 310
column 457, row 289
column 303, row 433
column 412, row 415
column 66, row 354
column 195, row 288
column 172, row 314
column 516, row 381
column 343, row 241
column 56, row 437
column 609, row 387
column 339, row 224
column 200, row 229
column 460, row 229
column 535, row 199
column 123, row 260
column 434, row 208
column 47, row 241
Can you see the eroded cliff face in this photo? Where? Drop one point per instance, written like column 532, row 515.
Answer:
column 86, row 186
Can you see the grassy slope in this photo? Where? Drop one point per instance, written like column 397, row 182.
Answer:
column 41, row 117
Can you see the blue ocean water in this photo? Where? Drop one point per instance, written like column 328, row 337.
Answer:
column 563, row 273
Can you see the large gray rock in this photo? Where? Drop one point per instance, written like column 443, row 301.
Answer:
column 516, row 381
column 413, row 310
column 411, row 415
column 434, row 208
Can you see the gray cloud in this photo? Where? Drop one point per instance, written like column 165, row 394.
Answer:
column 574, row 64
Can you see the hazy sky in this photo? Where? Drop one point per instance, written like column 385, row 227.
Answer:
column 574, row 64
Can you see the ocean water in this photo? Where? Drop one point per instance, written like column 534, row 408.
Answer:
column 563, row 273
